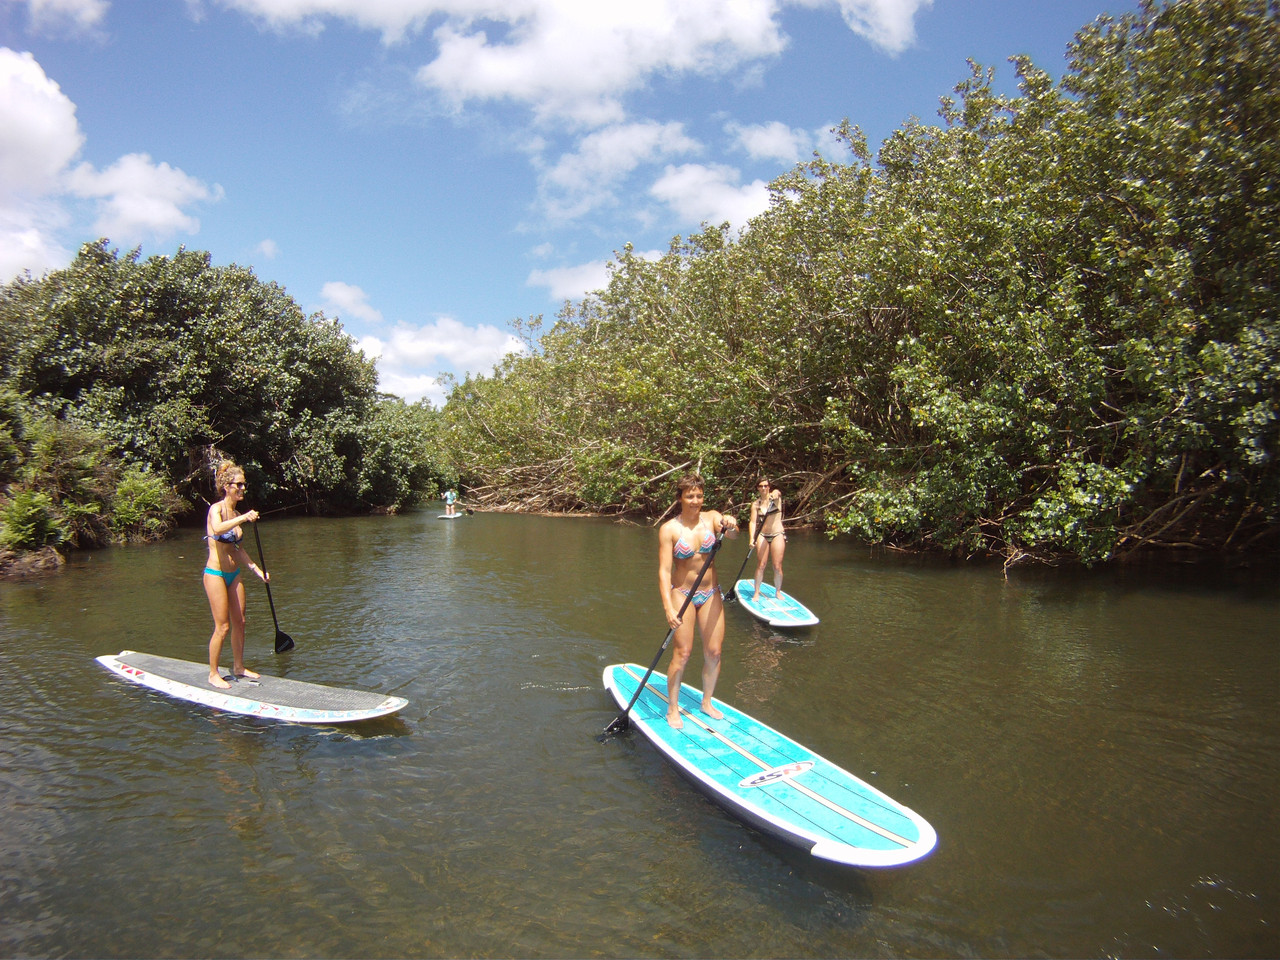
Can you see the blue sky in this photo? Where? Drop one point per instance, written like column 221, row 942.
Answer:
column 429, row 170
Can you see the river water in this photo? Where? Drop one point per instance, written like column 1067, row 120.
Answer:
column 1098, row 752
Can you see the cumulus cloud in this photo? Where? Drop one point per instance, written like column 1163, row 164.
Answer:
column 409, row 350
column 67, row 16
column 772, row 141
column 889, row 24
column 138, row 198
column 571, row 283
column 269, row 249
column 39, row 137
column 584, row 179
column 575, row 59
column 349, row 301
column 39, row 133
column 710, row 193
column 134, row 199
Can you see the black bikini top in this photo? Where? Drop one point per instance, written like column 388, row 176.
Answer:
column 228, row 537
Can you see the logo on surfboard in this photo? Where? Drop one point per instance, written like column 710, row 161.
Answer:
column 776, row 773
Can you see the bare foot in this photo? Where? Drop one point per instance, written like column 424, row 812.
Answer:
column 246, row 672
column 712, row 711
column 675, row 721
column 217, row 681
column 756, row 595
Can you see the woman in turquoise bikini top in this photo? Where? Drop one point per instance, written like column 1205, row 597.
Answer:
column 222, row 585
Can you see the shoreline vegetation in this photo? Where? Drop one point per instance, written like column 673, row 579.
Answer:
column 1044, row 329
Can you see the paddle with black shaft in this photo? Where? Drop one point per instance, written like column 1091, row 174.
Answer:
column 620, row 723
column 283, row 640
column 732, row 595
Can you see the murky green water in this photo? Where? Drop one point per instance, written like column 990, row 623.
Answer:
column 1098, row 753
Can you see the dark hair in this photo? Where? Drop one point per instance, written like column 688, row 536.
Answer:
column 690, row 481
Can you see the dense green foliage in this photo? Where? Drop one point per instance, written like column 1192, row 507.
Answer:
column 1046, row 327
column 126, row 380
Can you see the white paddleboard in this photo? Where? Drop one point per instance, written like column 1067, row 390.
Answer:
column 273, row 698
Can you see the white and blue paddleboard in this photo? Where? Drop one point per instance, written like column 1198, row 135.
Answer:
column 787, row 612
column 772, row 782
column 449, row 516
column 273, row 698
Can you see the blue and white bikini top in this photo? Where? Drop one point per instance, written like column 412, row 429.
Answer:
column 228, row 537
column 683, row 551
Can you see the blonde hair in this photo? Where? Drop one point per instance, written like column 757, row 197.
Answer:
column 227, row 469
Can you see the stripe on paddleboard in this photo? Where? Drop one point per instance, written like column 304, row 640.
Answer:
column 789, row 778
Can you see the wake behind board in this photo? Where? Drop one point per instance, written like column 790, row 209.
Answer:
column 772, row 782
column 273, row 698
column 787, row 612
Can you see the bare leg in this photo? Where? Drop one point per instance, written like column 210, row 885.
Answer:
column 682, row 646
column 215, row 589
column 764, row 560
column 235, row 604
column 776, row 550
column 711, row 624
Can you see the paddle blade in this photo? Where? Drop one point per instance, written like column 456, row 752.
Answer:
column 284, row 642
column 619, row 725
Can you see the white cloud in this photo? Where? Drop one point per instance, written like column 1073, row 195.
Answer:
column 349, row 301
column 139, row 198
column 40, row 138
column 571, row 283
column 889, row 24
column 583, row 180
column 772, row 141
column 403, row 357
column 701, row 193
column 27, row 242
column 576, row 59
column 39, row 133
column 67, row 16
column 269, row 249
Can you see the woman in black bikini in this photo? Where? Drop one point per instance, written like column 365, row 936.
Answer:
column 766, row 519
column 684, row 542
column 222, row 583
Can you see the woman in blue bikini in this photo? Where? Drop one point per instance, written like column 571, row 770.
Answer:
column 222, row 583
column 683, row 544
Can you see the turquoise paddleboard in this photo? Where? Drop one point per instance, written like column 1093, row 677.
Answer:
column 273, row 698
column 772, row 782
column 787, row 612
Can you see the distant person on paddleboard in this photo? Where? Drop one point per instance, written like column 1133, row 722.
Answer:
column 222, row 583
column 766, row 521
column 684, row 545
column 450, row 497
